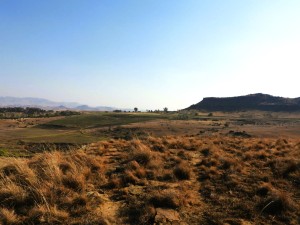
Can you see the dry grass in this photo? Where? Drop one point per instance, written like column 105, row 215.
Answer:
column 8, row 216
column 211, row 180
column 49, row 188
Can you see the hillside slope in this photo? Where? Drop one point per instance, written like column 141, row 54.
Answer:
column 249, row 102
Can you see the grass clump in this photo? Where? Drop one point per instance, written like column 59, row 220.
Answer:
column 182, row 171
column 139, row 212
column 140, row 153
column 165, row 200
column 277, row 203
column 48, row 188
column 8, row 216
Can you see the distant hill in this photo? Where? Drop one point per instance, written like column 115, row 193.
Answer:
column 97, row 108
column 47, row 104
column 258, row 101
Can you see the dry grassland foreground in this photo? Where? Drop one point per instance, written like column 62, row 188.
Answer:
column 156, row 180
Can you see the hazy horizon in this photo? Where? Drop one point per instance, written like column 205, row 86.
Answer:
column 76, row 104
column 148, row 54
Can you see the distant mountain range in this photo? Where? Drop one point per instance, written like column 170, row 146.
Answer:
column 47, row 104
column 258, row 101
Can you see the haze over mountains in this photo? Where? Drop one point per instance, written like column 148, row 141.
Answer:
column 257, row 101
column 47, row 104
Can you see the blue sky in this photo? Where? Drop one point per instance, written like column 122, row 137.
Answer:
column 148, row 53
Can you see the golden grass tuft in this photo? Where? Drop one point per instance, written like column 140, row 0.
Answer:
column 140, row 153
column 8, row 216
column 49, row 188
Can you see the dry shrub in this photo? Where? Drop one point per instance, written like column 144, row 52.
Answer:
column 142, row 157
column 177, row 143
column 165, row 199
column 13, row 194
column 183, row 155
column 291, row 166
column 204, row 173
column 147, row 215
column 248, row 156
column 264, row 189
column 47, row 215
column 20, row 173
column 283, row 167
column 132, row 173
column 209, row 162
column 74, row 182
column 66, row 167
column 138, row 211
column 103, row 147
column 227, row 163
column 129, row 178
column 214, row 171
column 281, row 143
column 206, row 152
column 182, row 171
column 156, row 164
column 274, row 201
column 133, row 165
column 277, row 203
column 138, row 170
column 46, row 166
column 258, row 146
column 187, row 144
column 156, row 144
column 142, row 163
column 114, row 182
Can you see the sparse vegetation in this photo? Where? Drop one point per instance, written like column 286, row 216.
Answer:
column 215, row 176
column 220, row 177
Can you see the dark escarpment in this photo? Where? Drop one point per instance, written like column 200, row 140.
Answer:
column 259, row 101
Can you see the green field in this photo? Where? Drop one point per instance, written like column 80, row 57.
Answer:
column 96, row 120
column 78, row 129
